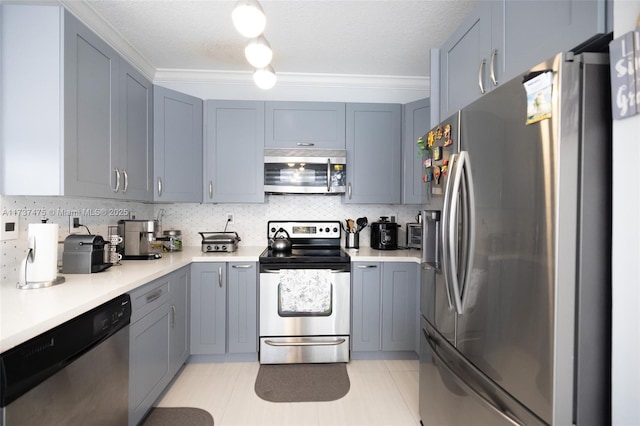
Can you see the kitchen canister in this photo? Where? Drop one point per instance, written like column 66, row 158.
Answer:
column 40, row 266
column 172, row 239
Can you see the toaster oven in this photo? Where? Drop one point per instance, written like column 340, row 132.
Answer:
column 414, row 235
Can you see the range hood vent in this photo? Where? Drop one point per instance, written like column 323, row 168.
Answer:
column 305, row 155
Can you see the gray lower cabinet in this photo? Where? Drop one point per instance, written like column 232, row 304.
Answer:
column 499, row 40
column 242, row 307
column 177, row 146
column 416, row 122
column 374, row 144
column 224, row 308
column 304, row 125
column 234, row 152
column 385, row 306
column 158, row 340
column 208, row 308
column 179, row 299
column 93, row 136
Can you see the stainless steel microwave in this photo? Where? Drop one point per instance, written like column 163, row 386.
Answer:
column 305, row 171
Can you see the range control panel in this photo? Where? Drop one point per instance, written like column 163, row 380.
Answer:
column 305, row 229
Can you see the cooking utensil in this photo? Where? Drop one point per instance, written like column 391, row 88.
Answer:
column 279, row 242
column 361, row 222
column 219, row 241
column 350, row 225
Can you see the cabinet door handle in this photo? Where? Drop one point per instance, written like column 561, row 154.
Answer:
column 210, row 189
column 242, row 266
column 349, row 190
column 159, row 186
column 306, row 144
column 480, row 73
column 492, row 67
column 117, row 188
column 367, row 266
column 126, row 181
column 173, row 316
column 153, row 296
column 220, row 276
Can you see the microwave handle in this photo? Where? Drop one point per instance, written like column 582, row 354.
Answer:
column 328, row 174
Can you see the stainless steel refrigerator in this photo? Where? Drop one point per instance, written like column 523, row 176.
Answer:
column 515, row 291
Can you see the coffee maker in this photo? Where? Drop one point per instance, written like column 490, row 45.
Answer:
column 138, row 237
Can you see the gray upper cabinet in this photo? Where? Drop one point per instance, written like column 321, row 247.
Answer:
column 91, row 113
column 93, row 110
column 567, row 24
column 416, row 122
column 304, row 125
column 135, row 148
column 234, row 152
column 177, row 146
column 499, row 40
column 463, row 61
column 374, row 133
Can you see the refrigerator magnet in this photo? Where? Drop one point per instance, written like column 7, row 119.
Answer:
column 429, row 176
column 439, row 132
column 447, row 131
column 448, row 141
column 436, row 174
column 430, row 139
column 427, row 163
column 437, row 153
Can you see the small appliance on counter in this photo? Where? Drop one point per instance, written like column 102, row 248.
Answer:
column 384, row 234
column 83, row 254
column 171, row 240
column 414, row 235
column 139, row 239
column 225, row 241
column 39, row 267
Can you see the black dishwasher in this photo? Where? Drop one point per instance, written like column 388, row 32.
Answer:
column 75, row 373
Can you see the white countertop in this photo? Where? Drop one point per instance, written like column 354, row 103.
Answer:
column 25, row 314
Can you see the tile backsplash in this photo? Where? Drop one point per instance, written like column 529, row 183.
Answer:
column 250, row 220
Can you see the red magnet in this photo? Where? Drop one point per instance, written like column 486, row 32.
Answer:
column 436, row 174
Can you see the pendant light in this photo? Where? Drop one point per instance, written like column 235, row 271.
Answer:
column 248, row 18
column 258, row 52
column 265, row 78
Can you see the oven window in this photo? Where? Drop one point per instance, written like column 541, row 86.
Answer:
column 305, row 292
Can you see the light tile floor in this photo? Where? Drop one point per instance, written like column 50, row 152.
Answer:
column 382, row 393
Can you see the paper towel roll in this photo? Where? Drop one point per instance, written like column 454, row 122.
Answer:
column 43, row 264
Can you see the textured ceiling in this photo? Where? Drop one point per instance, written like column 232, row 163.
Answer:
column 383, row 38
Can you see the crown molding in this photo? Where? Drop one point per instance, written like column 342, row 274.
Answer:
column 360, row 81
column 83, row 10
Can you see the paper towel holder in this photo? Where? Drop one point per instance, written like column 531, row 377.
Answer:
column 23, row 284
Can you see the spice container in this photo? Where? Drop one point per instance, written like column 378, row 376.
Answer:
column 172, row 240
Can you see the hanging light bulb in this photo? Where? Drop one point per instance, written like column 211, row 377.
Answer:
column 248, row 18
column 265, row 78
column 258, row 52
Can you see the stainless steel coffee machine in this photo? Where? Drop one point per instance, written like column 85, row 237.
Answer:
column 138, row 239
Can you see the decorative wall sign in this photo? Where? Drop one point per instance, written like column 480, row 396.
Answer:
column 624, row 59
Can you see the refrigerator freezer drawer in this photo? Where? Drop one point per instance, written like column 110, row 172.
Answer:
column 453, row 392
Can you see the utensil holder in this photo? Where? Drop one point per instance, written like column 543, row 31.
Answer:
column 352, row 240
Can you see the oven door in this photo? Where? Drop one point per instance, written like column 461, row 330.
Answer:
column 304, row 314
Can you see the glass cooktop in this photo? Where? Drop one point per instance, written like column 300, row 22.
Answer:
column 313, row 255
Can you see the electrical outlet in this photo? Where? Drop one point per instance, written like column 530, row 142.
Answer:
column 76, row 222
column 229, row 217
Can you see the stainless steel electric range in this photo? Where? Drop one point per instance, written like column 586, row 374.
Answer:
column 305, row 294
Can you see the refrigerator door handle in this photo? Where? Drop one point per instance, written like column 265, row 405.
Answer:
column 444, row 234
column 461, row 193
column 469, row 227
column 509, row 417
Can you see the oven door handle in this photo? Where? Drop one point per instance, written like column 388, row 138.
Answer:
column 323, row 343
